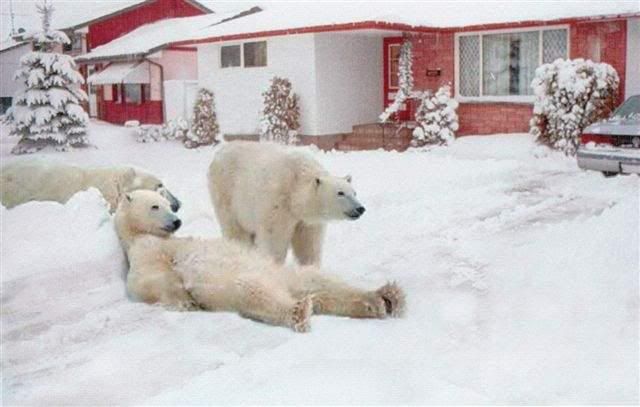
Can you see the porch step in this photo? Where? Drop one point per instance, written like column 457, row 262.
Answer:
column 372, row 136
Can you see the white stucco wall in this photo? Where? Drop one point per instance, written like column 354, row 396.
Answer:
column 632, row 86
column 9, row 63
column 238, row 90
column 348, row 80
column 180, row 65
column 179, row 98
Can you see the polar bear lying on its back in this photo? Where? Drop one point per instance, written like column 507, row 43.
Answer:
column 221, row 275
column 36, row 180
column 273, row 197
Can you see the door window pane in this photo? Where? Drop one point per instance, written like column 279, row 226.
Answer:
column 132, row 93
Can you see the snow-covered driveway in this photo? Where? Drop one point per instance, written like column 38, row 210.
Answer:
column 521, row 273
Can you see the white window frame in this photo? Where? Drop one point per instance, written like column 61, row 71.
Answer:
column 503, row 98
column 241, row 44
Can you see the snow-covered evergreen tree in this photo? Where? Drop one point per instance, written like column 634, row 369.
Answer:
column 436, row 118
column 281, row 113
column 204, row 128
column 48, row 112
column 569, row 96
column 405, row 81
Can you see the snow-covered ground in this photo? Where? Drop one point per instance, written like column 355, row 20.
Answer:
column 521, row 273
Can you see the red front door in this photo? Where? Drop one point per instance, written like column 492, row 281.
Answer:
column 391, row 55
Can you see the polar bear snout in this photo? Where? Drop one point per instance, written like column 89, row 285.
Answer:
column 355, row 213
column 173, row 225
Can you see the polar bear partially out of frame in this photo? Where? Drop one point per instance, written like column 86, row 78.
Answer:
column 274, row 197
column 37, row 180
column 222, row 275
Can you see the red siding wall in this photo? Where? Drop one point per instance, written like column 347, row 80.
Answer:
column 603, row 41
column 104, row 31
column 148, row 112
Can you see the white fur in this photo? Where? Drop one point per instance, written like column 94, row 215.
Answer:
column 273, row 197
column 221, row 275
column 35, row 180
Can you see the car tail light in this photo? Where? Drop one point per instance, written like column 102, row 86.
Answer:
column 596, row 138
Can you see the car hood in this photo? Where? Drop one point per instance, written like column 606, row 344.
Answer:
column 615, row 127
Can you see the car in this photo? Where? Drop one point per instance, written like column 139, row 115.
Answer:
column 613, row 146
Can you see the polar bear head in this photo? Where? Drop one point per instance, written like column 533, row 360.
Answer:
column 335, row 199
column 134, row 179
column 144, row 212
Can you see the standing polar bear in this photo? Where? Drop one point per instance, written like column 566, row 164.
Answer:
column 221, row 275
column 36, row 180
column 274, row 197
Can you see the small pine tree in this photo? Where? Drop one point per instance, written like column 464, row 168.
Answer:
column 570, row 95
column 405, row 81
column 48, row 111
column 204, row 129
column 281, row 113
column 437, row 118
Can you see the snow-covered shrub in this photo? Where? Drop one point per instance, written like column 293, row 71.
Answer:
column 405, row 81
column 281, row 113
column 173, row 130
column 48, row 112
column 436, row 117
column 204, row 129
column 569, row 96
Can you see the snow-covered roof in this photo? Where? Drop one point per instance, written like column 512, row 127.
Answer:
column 11, row 43
column 276, row 18
column 151, row 37
column 128, row 72
column 69, row 14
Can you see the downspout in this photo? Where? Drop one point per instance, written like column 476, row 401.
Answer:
column 164, row 115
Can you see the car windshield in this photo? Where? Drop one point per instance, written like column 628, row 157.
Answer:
column 629, row 109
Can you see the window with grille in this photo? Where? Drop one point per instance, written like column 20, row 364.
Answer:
column 503, row 64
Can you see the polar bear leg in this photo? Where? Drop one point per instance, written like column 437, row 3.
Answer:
column 274, row 239
column 332, row 296
column 307, row 243
column 258, row 298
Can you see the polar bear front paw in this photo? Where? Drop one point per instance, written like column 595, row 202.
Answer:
column 301, row 315
column 394, row 299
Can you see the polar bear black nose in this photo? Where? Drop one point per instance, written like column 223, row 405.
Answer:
column 360, row 210
column 176, row 224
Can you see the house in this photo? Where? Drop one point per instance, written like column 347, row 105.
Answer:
column 143, row 77
column 342, row 59
column 11, row 51
column 90, row 27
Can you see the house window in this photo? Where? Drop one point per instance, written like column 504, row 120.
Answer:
column 229, row 56
column 394, row 61
column 132, row 93
column 255, row 54
column 503, row 64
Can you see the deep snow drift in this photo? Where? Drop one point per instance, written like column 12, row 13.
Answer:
column 521, row 273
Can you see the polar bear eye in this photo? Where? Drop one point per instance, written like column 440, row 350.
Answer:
column 158, row 186
column 155, row 207
column 340, row 193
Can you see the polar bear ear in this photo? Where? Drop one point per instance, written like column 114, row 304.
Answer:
column 128, row 197
column 348, row 178
column 318, row 182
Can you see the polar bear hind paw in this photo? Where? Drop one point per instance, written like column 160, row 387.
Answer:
column 394, row 299
column 301, row 315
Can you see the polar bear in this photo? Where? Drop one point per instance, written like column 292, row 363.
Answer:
column 223, row 275
column 38, row 180
column 274, row 197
